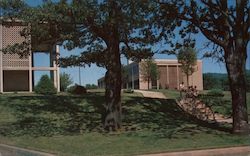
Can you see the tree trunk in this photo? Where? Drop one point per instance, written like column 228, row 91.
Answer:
column 148, row 83
column 112, row 116
column 236, row 65
column 187, row 81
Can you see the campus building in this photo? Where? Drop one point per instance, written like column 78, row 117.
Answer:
column 16, row 73
column 170, row 77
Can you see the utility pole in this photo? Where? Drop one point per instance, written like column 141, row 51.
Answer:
column 80, row 83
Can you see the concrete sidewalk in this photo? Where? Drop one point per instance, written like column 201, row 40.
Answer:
column 151, row 94
column 231, row 151
column 7, row 150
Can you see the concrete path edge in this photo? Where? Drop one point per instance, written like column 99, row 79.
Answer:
column 17, row 151
column 229, row 151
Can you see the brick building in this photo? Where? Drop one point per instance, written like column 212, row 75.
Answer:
column 171, row 76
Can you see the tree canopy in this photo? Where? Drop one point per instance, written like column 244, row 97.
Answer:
column 65, row 81
column 227, row 25
column 188, row 59
column 149, row 71
column 104, row 30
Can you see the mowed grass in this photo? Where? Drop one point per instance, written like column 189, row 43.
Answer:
column 71, row 126
column 223, row 108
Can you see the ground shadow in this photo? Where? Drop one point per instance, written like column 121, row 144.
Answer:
column 69, row 115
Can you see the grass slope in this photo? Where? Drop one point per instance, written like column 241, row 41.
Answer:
column 70, row 125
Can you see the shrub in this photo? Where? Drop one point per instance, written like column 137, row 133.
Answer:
column 91, row 86
column 77, row 89
column 45, row 86
column 217, row 103
column 65, row 81
column 215, row 92
column 128, row 91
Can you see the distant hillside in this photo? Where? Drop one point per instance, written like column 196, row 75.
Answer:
column 220, row 81
column 216, row 75
column 222, row 75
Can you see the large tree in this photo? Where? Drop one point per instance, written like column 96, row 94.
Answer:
column 227, row 25
column 103, row 29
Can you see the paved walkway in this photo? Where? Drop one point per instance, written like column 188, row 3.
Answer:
column 6, row 150
column 151, row 94
column 232, row 151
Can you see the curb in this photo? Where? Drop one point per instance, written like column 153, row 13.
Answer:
column 231, row 151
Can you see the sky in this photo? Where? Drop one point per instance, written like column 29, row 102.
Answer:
column 90, row 75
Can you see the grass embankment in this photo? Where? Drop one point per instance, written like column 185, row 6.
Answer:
column 70, row 125
column 220, row 105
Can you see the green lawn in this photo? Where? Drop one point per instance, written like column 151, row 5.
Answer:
column 223, row 106
column 70, row 125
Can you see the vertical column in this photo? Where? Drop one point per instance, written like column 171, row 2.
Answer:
column 167, row 75
column 52, row 70
column 132, row 74
column 1, row 61
column 30, row 66
column 53, row 64
column 30, row 73
column 177, row 74
column 57, row 67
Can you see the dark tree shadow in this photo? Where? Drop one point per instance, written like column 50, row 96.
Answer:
column 165, row 117
column 69, row 115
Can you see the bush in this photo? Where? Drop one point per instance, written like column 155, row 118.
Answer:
column 128, row 91
column 65, row 81
column 215, row 92
column 45, row 86
column 77, row 89
column 91, row 86
column 217, row 103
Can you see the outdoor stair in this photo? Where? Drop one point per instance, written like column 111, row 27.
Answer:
column 197, row 109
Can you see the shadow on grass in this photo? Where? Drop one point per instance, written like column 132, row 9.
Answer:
column 166, row 118
column 68, row 115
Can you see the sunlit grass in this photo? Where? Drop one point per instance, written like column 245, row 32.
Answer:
column 71, row 125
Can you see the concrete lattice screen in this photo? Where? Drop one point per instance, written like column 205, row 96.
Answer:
column 11, row 36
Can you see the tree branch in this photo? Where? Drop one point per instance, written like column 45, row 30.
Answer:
column 209, row 34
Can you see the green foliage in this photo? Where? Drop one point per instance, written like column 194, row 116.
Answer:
column 149, row 70
column 128, row 91
column 45, row 86
column 71, row 88
column 215, row 93
column 210, row 81
column 65, row 81
column 65, row 124
column 91, row 86
column 77, row 90
column 218, row 104
column 217, row 100
column 188, row 58
column 125, row 74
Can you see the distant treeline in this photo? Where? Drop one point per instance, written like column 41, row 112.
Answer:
column 220, row 81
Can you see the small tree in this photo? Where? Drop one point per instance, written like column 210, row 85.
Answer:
column 149, row 71
column 188, row 59
column 125, row 76
column 91, row 86
column 45, row 86
column 65, row 81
